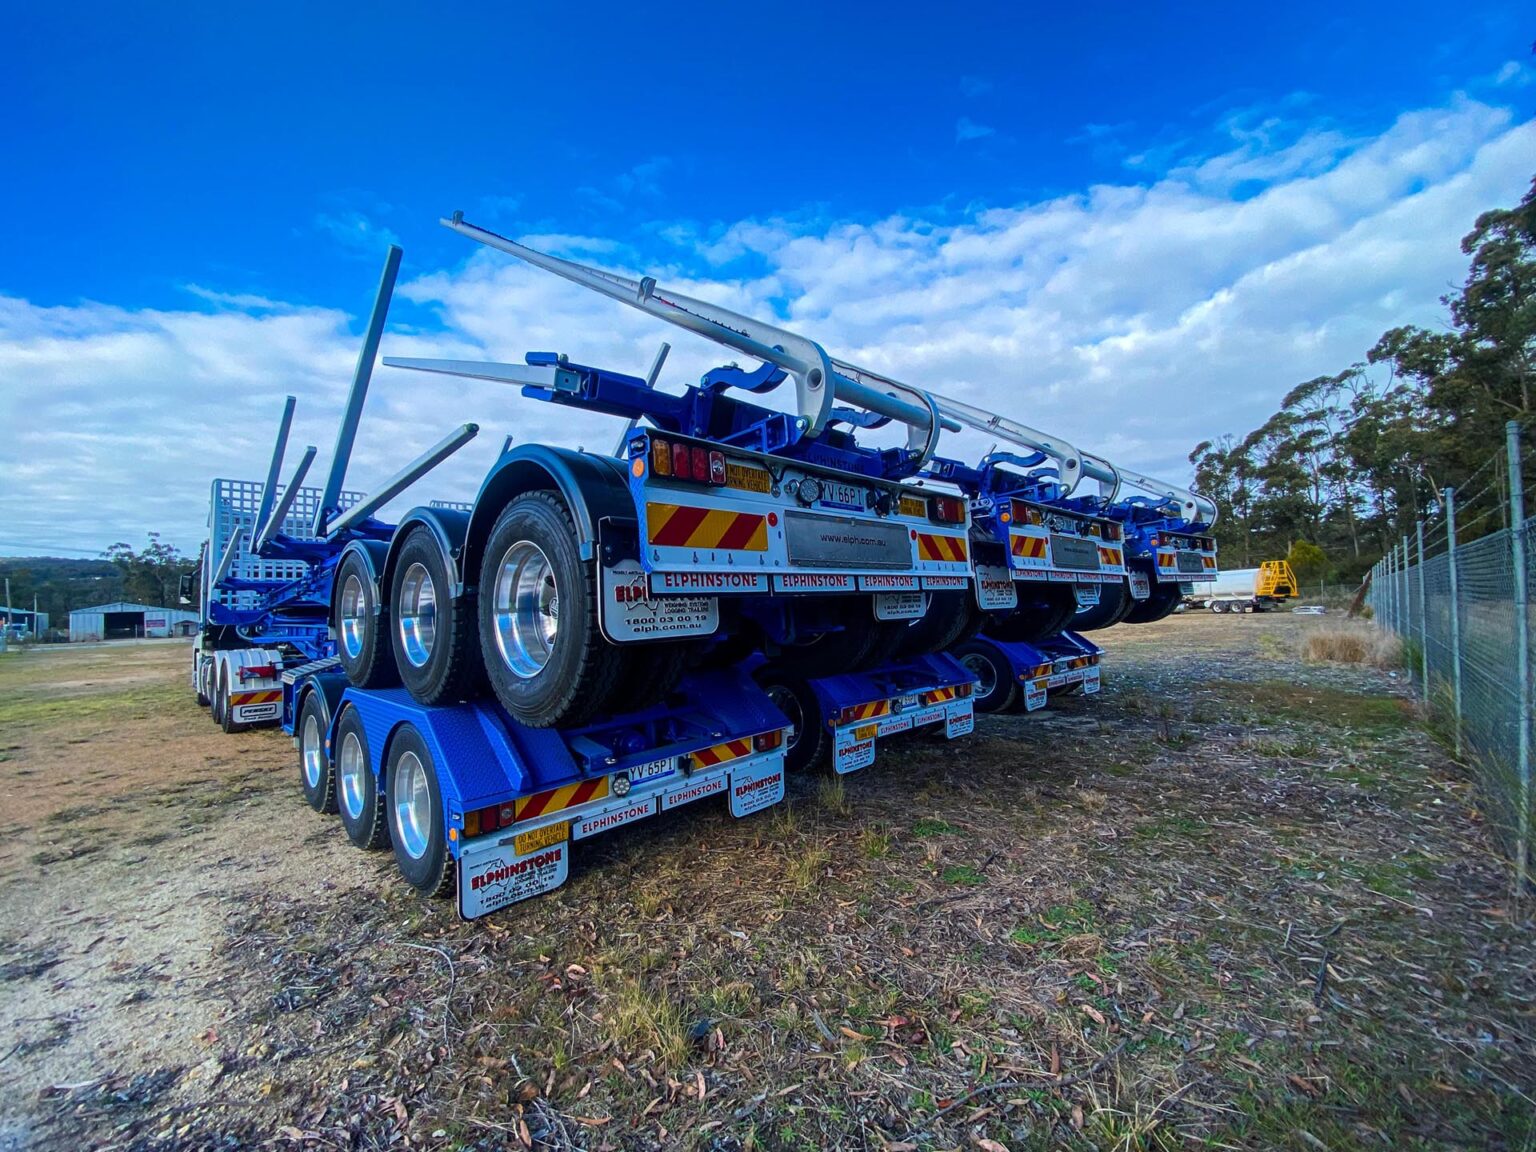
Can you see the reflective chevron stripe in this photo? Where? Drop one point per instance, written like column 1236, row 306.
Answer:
column 934, row 547
column 1029, row 547
column 686, row 526
column 569, row 796
column 720, row 753
column 259, row 696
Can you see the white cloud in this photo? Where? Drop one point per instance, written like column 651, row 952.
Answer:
column 1134, row 319
column 968, row 129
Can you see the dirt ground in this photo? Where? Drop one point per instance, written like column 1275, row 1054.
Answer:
column 1234, row 901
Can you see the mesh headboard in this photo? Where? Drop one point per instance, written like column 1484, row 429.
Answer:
column 234, row 505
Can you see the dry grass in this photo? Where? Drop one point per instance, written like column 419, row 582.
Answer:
column 1353, row 643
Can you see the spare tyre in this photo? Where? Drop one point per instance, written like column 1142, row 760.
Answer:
column 547, row 660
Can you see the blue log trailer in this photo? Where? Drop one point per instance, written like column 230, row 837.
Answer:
column 592, row 639
column 1073, row 561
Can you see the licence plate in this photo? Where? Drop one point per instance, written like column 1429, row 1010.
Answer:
column 836, row 494
column 1074, row 552
column 526, row 842
column 907, row 701
column 653, row 770
column 746, row 478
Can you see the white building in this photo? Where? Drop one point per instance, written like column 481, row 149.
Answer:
column 124, row 621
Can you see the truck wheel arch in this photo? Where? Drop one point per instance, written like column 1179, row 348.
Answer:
column 593, row 489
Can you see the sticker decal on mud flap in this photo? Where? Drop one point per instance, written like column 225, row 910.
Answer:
column 1034, row 694
column 1141, row 587
column 757, row 786
column 900, row 605
column 248, row 713
column 1087, row 594
column 1091, row 679
column 695, row 790
column 629, row 612
column 498, row 877
column 994, row 588
column 851, row 755
column 960, row 721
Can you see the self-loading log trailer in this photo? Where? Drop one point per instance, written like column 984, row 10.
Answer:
column 479, row 686
column 1048, row 557
column 597, row 638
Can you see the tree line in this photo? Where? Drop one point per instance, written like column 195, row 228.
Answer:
column 148, row 575
column 1351, row 460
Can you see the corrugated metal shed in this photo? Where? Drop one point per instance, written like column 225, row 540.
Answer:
column 122, row 620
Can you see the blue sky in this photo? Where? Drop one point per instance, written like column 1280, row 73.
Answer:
column 195, row 204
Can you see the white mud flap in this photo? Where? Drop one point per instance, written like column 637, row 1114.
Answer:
column 960, row 720
column 1141, row 587
column 1186, row 587
column 757, row 786
column 854, row 748
column 255, row 713
column 900, row 605
column 994, row 588
column 1034, row 694
column 628, row 611
column 494, row 876
column 1087, row 594
column 1091, row 679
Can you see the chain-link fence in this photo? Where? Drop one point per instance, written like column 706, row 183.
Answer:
column 1461, row 605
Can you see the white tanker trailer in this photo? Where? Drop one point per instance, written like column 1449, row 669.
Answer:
column 1248, row 589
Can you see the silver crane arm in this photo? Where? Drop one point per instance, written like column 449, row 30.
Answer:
column 818, row 381
column 1074, row 464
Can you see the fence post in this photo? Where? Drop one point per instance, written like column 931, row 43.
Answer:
column 1407, row 594
column 1418, row 531
column 1522, row 646
column 1450, row 535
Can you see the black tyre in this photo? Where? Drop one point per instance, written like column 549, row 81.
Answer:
column 316, row 775
column 832, row 652
column 357, row 791
column 1043, row 611
column 651, row 673
column 1068, row 689
column 810, row 743
column 197, row 681
column 362, row 629
column 432, row 633
column 546, row 658
column 1107, row 611
column 415, row 804
column 1163, row 600
column 226, row 712
column 996, row 689
column 215, row 704
column 884, row 643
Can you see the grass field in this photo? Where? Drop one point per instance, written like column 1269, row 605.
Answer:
column 1237, row 900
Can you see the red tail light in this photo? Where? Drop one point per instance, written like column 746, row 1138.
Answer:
column 963, row 690
column 946, row 509
column 692, row 462
column 485, row 820
column 767, row 741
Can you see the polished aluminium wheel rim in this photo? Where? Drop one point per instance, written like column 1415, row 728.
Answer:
column 351, row 769
column 527, row 609
column 354, row 606
column 786, row 702
column 314, row 754
column 418, row 614
column 985, row 674
column 413, row 806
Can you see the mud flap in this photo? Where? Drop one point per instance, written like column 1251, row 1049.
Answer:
column 853, row 748
column 1087, row 595
column 900, row 605
column 960, row 720
column 1091, row 680
column 628, row 612
column 757, row 786
column 493, row 877
column 1034, row 694
column 1141, row 587
column 994, row 588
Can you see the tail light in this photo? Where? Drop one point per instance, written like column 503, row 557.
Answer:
column 1153, row 541
column 1111, row 531
column 691, row 462
column 1033, row 516
column 768, row 741
column 484, row 820
column 963, row 690
column 1095, row 529
column 946, row 509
